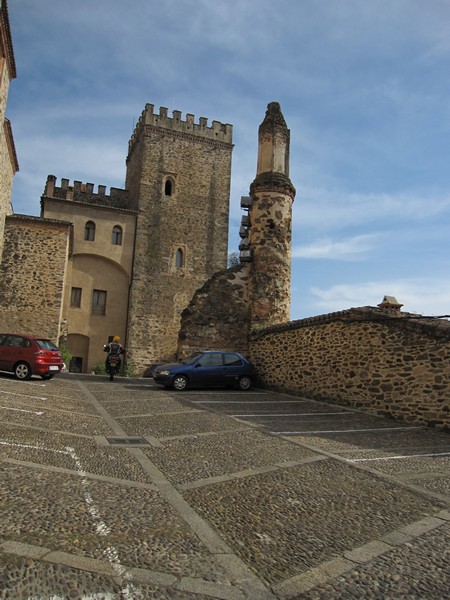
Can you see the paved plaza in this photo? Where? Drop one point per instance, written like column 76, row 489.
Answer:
column 125, row 490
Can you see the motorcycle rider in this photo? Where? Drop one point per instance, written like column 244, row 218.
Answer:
column 113, row 348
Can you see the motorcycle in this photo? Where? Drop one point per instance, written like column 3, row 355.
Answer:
column 113, row 365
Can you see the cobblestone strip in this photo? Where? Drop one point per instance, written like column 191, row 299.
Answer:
column 247, row 473
column 291, row 588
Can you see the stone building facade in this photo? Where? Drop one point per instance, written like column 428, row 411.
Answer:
column 99, row 265
column 8, row 158
column 138, row 254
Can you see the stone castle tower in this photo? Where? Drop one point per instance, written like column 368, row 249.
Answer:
column 270, row 220
column 178, row 178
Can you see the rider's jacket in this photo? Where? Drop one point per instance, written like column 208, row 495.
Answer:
column 114, row 348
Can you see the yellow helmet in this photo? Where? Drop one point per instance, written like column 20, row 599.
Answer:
column 116, row 338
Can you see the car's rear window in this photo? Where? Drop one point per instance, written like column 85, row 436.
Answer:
column 231, row 360
column 46, row 345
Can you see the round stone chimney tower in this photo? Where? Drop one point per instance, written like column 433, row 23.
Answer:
column 270, row 224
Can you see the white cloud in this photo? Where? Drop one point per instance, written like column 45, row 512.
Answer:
column 353, row 248
column 327, row 209
column 430, row 297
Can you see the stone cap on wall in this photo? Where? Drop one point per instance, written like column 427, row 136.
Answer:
column 30, row 219
column 437, row 326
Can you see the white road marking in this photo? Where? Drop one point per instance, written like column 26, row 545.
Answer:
column 24, row 395
column 33, row 447
column 251, row 402
column 293, row 414
column 319, row 431
column 130, row 591
column 355, row 460
column 22, row 410
column 15, row 382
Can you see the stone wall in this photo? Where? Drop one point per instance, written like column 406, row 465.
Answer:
column 8, row 158
column 218, row 316
column 32, row 275
column 386, row 364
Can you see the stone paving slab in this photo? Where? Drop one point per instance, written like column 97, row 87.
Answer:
column 396, row 465
column 59, row 420
column 263, row 405
column 50, row 449
column 132, row 404
column 344, row 422
column 26, row 579
column 315, row 512
column 439, row 485
column 418, row 570
column 146, row 532
column 400, row 436
column 179, row 424
column 221, row 454
column 44, row 402
column 213, row 507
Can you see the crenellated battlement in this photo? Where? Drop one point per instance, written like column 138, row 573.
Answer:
column 84, row 192
column 218, row 131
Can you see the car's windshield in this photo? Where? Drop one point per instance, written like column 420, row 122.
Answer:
column 192, row 359
column 46, row 345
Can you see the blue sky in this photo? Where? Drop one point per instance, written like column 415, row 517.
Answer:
column 363, row 86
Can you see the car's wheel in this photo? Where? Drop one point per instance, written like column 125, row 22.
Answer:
column 22, row 370
column 48, row 376
column 244, row 383
column 179, row 383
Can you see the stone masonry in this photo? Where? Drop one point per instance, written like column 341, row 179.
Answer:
column 32, row 275
column 178, row 177
column 218, row 316
column 8, row 158
column 379, row 362
column 270, row 214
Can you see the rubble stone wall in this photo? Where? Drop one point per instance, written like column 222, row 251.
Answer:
column 32, row 275
column 385, row 364
column 218, row 316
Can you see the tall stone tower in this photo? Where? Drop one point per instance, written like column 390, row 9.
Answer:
column 178, row 177
column 270, row 216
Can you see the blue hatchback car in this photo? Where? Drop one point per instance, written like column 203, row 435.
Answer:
column 207, row 369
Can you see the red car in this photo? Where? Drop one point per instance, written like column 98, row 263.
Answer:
column 26, row 355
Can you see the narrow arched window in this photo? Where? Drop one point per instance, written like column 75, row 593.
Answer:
column 179, row 259
column 89, row 231
column 168, row 187
column 117, row 235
